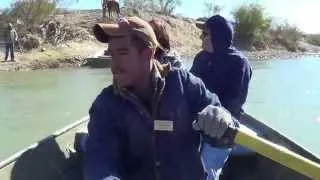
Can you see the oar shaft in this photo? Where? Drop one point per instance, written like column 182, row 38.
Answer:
column 279, row 154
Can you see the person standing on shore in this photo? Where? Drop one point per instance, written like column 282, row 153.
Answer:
column 11, row 37
column 226, row 72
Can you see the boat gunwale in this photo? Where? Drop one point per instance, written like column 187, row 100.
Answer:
column 56, row 134
column 291, row 145
column 294, row 146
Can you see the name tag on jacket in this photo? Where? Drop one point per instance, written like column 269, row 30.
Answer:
column 163, row 125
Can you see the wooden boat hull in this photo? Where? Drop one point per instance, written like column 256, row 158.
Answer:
column 55, row 158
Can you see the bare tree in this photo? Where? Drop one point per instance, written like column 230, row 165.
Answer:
column 211, row 8
column 137, row 4
column 32, row 12
column 168, row 6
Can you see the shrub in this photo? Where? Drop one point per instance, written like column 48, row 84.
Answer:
column 251, row 24
column 287, row 35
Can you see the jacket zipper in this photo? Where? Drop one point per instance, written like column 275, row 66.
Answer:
column 150, row 116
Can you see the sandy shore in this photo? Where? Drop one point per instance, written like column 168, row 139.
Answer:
column 68, row 55
column 73, row 54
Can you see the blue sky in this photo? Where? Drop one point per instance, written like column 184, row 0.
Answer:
column 303, row 13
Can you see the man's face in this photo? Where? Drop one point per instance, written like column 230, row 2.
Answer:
column 206, row 40
column 128, row 64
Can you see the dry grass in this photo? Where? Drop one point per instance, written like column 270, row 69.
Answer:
column 183, row 33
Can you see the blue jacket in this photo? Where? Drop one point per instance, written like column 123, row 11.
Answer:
column 226, row 72
column 122, row 141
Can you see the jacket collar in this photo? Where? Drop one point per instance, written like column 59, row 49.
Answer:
column 158, row 73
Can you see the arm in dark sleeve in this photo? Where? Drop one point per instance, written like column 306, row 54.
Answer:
column 197, row 94
column 236, row 94
column 102, row 154
column 199, row 98
column 198, row 62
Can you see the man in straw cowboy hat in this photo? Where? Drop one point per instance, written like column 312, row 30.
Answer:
column 146, row 125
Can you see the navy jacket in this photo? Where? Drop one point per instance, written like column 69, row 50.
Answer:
column 122, row 141
column 226, row 72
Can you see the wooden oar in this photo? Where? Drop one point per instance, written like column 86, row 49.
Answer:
column 275, row 152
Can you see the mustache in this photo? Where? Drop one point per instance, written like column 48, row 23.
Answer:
column 117, row 70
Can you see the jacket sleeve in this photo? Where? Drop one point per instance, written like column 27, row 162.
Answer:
column 195, row 68
column 197, row 95
column 236, row 94
column 199, row 98
column 199, row 63
column 101, row 157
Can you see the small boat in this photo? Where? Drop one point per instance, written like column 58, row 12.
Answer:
column 97, row 62
column 59, row 157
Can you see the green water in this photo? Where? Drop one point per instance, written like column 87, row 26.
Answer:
column 34, row 104
column 284, row 94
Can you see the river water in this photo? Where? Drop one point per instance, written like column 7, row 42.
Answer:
column 284, row 94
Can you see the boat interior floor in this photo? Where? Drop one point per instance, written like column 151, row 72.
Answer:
column 254, row 167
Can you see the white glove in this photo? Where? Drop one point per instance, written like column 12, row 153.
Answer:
column 213, row 121
column 111, row 178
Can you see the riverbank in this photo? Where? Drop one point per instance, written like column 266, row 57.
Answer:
column 73, row 55
column 273, row 54
column 183, row 33
column 67, row 55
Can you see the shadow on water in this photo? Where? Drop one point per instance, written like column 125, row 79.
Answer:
column 46, row 162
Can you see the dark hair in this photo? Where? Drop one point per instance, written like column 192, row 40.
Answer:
column 162, row 35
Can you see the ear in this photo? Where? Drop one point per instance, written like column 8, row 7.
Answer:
column 147, row 54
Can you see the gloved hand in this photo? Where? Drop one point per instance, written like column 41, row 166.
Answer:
column 213, row 121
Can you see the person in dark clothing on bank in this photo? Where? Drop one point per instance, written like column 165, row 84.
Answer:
column 11, row 37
